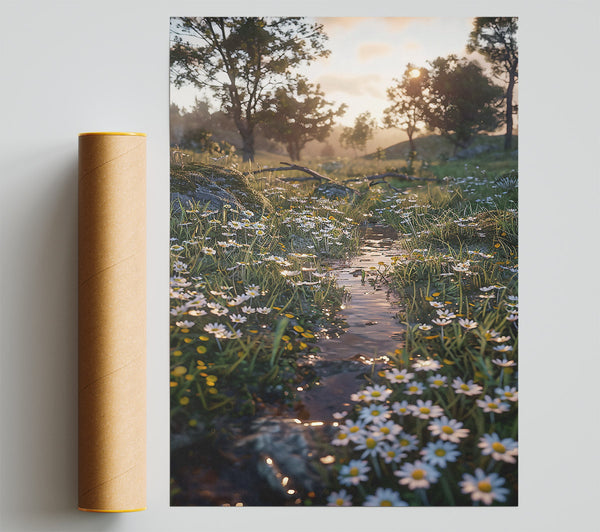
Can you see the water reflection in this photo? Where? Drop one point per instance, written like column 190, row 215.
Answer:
column 371, row 329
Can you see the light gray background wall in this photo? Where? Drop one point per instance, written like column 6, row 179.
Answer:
column 68, row 67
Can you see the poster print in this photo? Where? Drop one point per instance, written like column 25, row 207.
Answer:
column 344, row 261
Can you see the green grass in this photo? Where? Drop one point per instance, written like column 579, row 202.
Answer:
column 460, row 260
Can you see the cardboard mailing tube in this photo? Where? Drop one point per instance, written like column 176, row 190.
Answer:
column 112, row 322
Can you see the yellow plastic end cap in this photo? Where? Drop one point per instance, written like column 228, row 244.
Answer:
column 111, row 511
column 117, row 133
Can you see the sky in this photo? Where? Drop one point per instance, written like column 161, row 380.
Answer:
column 367, row 54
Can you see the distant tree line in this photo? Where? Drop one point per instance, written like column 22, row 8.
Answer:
column 248, row 65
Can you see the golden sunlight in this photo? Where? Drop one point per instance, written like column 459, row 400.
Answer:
column 415, row 73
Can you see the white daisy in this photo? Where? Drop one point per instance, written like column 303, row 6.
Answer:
column 339, row 498
column 502, row 450
column 448, row 429
column 397, row 376
column 401, row 408
column 238, row 318
column 484, row 488
column 414, row 388
column 374, row 413
column 466, row 388
column 503, row 363
column 468, row 324
column 440, row 453
column 509, row 393
column 377, row 392
column 384, row 497
column 215, row 328
column 354, row 473
column 437, row 381
column 487, row 404
column 427, row 364
column 370, row 444
column 426, row 409
column 417, row 475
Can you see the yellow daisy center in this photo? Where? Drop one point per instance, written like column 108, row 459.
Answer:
column 413, row 388
column 447, row 429
column 424, row 410
column 498, row 447
column 418, row 474
column 464, row 387
column 354, row 429
column 484, row 486
column 399, row 377
column 375, row 394
column 342, row 436
column 440, row 452
column 385, row 503
column 508, row 394
column 385, row 430
column 339, row 502
column 438, row 382
column 404, row 443
column 370, row 443
column 354, row 471
column 375, row 412
column 179, row 371
column 492, row 405
column 391, row 454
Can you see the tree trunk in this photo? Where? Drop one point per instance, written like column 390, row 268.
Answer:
column 411, row 142
column 509, row 113
column 247, row 145
column 293, row 151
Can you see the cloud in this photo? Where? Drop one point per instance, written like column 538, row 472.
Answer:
column 361, row 85
column 339, row 23
column 411, row 46
column 401, row 23
column 370, row 50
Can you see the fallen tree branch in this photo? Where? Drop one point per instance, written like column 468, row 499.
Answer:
column 383, row 182
column 290, row 166
column 380, row 178
column 298, row 179
column 403, row 177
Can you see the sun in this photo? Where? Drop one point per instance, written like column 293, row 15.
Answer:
column 414, row 73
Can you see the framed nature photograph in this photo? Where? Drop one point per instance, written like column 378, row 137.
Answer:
column 344, row 261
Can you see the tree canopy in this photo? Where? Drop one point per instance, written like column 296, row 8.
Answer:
column 462, row 100
column 496, row 39
column 297, row 114
column 408, row 97
column 242, row 61
column 356, row 137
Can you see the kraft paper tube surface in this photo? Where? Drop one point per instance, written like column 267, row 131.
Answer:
column 112, row 322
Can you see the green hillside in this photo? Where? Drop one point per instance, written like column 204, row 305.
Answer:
column 435, row 147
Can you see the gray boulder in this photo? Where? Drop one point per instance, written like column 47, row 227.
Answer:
column 334, row 191
column 214, row 187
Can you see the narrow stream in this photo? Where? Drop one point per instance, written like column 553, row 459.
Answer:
column 370, row 330
column 274, row 460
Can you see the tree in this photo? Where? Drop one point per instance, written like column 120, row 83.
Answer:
column 242, row 61
column 408, row 98
column 496, row 39
column 463, row 101
column 297, row 114
column 356, row 137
